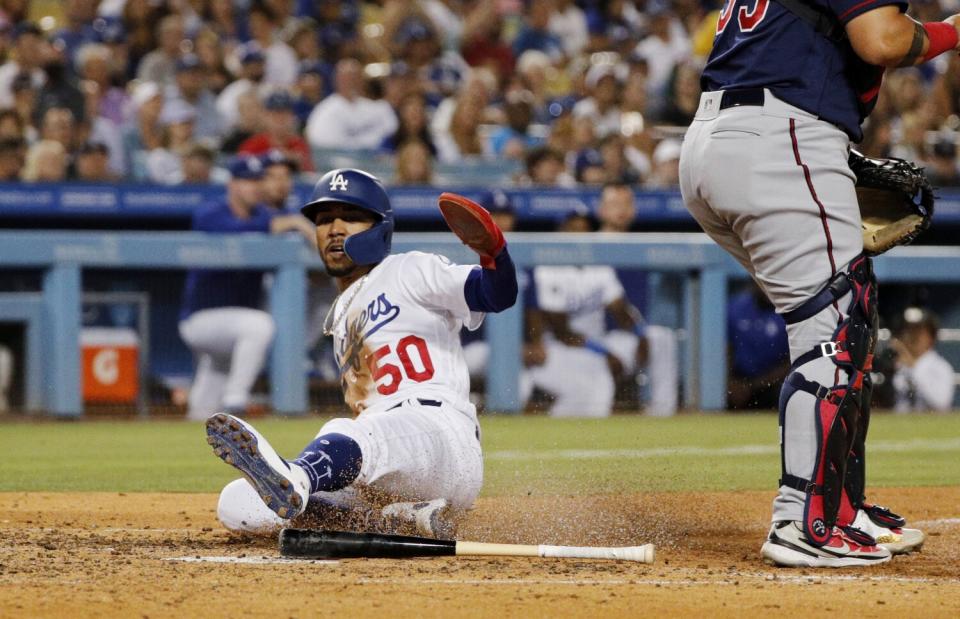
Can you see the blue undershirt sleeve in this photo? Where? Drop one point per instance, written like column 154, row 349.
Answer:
column 492, row 290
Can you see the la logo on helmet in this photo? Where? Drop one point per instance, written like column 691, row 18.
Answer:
column 338, row 183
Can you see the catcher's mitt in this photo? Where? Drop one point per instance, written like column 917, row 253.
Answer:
column 896, row 201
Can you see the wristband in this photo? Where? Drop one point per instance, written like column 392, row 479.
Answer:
column 942, row 36
column 595, row 346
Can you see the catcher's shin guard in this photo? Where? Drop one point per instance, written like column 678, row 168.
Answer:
column 834, row 488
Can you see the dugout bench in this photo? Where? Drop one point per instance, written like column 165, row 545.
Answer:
column 53, row 319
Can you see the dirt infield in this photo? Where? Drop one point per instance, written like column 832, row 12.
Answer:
column 161, row 555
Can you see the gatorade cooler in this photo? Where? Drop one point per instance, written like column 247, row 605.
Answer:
column 110, row 365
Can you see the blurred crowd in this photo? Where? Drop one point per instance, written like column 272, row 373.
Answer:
column 570, row 91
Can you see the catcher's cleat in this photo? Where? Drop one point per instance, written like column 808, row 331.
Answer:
column 283, row 488
column 898, row 540
column 426, row 518
column 787, row 546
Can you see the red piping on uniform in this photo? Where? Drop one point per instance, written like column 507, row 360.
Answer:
column 813, row 193
column 868, row 96
column 854, row 8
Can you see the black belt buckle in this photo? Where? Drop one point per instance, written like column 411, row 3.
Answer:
column 743, row 96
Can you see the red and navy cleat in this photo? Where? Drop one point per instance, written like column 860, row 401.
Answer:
column 787, row 546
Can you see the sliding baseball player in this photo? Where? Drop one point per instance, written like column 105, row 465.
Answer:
column 411, row 453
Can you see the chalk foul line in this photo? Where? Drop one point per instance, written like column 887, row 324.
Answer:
column 952, row 444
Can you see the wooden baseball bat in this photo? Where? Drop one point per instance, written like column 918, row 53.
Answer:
column 322, row 544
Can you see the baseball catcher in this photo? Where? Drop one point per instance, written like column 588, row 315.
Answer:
column 765, row 169
column 409, row 461
column 896, row 201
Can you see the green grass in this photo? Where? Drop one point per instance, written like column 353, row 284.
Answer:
column 534, row 455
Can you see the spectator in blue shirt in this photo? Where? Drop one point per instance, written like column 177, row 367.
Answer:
column 759, row 357
column 513, row 140
column 535, row 33
column 221, row 319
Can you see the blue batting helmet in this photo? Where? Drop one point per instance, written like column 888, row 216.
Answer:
column 362, row 190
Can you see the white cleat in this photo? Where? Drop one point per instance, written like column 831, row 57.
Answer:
column 787, row 546
column 898, row 540
column 429, row 518
column 284, row 488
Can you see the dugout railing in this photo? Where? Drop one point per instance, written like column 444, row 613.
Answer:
column 53, row 317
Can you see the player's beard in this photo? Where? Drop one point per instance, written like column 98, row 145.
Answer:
column 344, row 267
column 340, row 270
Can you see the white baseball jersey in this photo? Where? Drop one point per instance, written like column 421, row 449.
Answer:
column 581, row 292
column 397, row 333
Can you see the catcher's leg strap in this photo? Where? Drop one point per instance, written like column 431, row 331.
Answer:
column 855, row 338
column 834, row 489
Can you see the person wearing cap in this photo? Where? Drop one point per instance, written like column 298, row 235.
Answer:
column 438, row 71
column 279, row 132
column 279, row 170
column 923, row 380
column 666, row 165
column 602, row 106
column 309, row 89
column 190, row 86
column 160, row 64
column 942, row 169
column 588, row 167
column 221, row 319
column 142, row 132
column 346, row 119
column 30, row 50
column 280, row 59
column 252, row 73
column 164, row 164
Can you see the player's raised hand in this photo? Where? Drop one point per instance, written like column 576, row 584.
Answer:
column 474, row 226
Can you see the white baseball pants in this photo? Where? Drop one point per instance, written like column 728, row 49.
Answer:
column 412, row 452
column 230, row 345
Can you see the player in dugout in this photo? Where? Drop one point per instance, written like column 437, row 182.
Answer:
column 409, row 461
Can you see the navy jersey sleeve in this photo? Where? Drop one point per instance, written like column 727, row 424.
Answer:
column 846, row 10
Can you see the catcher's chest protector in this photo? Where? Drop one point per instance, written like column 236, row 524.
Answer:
column 841, row 410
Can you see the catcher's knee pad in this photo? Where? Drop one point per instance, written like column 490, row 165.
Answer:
column 834, row 489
